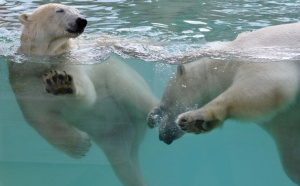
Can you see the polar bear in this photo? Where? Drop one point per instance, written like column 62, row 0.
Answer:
column 70, row 104
column 202, row 94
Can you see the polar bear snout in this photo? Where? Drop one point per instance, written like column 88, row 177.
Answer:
column 164, row 118
column 78, row 26
column 81, row 23
column 169, row 132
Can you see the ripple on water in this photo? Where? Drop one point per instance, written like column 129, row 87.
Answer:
column 161, row 31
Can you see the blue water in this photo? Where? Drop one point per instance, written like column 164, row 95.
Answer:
column 238, row 154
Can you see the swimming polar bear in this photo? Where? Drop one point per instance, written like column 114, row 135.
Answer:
column 70, row 104
column 201, row 95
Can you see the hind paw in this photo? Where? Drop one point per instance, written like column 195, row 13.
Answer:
column 76, row 146
column 81, row 148
column 58, row 83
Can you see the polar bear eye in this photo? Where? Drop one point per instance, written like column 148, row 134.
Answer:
column 60, row 10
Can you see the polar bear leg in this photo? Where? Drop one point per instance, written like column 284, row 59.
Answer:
column 59, row 134
column 121, row 148
column 257, row 98
column 285, row 130
column 64, row 137
column 233, row 104
column 288, row 140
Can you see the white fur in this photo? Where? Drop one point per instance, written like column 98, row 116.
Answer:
column 264, row 92
column 109, row 104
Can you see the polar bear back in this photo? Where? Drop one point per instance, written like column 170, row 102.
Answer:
column 286, row 35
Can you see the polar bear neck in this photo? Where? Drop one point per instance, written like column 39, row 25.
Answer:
column 32, row 43
column 58, row 46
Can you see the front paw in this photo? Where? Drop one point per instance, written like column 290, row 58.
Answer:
column 195, row 123
column 58, row 83
column 154, row 117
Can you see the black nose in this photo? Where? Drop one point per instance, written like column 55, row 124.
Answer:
column 168, row 134
column 81, row 22
column 167, row 139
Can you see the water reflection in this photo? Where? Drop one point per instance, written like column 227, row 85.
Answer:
column 234, row 16
column 177, row 27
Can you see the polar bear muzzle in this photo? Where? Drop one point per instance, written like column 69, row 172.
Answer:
column 77, row 27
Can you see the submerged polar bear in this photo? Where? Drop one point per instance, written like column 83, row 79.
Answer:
column 264, row 92
column 69, row 104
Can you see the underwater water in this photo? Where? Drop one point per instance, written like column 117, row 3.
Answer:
column 164, row 31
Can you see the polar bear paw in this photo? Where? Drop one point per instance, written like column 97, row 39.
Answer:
column 58, row 83
column 79, row 147
column 193, row 122
column 76, row 146
column 154, row 117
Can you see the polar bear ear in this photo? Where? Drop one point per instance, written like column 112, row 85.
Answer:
column 24, row 19
column 180, row 70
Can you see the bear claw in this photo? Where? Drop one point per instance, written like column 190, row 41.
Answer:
column 58, row 82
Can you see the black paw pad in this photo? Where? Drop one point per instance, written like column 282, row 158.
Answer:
column 199, row 125
column 58, row 83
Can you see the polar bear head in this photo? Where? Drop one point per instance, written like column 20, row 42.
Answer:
column 50, row 24
column 178, row 97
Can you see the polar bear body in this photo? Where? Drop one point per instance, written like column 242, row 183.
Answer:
column 285, row 35
column 70, row 104
column 201, row 95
